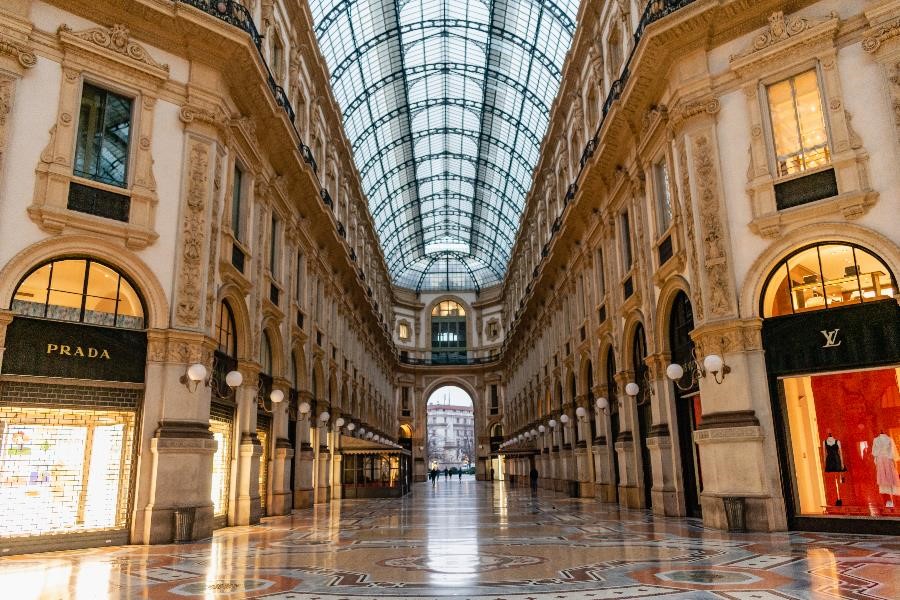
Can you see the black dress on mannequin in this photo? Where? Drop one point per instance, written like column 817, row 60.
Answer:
column 833, row 462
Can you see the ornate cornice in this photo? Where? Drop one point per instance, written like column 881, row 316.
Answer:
column 116, row 39
column 781, row 29
column 19, row 51
column 880, row 34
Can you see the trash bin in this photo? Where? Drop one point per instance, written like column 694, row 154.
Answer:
column 735, row 507
column 573, row 489
column 184, row 524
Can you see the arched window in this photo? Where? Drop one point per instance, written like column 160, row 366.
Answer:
column 641, row 371
column 265, row 354
column 496, row 430
column 826, row 275
column 681, row 323
column 82, row 290
column 448, row 308
column 448, row 332
column 225, row 336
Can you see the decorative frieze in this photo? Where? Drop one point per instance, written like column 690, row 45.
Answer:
column 712, row 230
column 785, row 33
column 115, row 39
column 193, row 234
column 19, row 51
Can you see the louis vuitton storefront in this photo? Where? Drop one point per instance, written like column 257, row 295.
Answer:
column 71, row 392
column 831, row 335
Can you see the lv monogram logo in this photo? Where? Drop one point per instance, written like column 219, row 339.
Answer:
column 831, row 340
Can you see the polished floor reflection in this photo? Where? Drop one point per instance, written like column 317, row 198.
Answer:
column 470, row 540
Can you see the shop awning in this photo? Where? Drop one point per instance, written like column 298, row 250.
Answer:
column 352, row 445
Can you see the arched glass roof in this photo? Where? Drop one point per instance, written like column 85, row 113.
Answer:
column 445, row 103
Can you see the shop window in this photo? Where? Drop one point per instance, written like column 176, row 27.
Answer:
column 221, row 424
column 263, row 425
column 827, row 275
column 798, row 124
column 64, row 470
column 843, row 435
column 104, row 136
column 80, row 290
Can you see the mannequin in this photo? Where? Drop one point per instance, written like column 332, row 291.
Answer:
column 884, row 453
column 834, row 463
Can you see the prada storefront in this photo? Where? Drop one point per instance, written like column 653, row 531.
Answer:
column 831, row 335
column 70, row 394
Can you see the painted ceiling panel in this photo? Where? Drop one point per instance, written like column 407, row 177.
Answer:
column 445, row 103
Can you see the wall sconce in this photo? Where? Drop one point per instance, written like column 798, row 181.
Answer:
column 304, row 408
column 552, row 423
column 351, row 427
column 276, row 396
column 713, row 363
column 564, row 418
column 534, row 433
column 632, row 389
column 527, row 435
column 581, row 413
column 324, row 416
column 234, row 379
column 362, row 431
column 369, row 435
column 602, row 404
column 195, row 374
column 339, row 422
column 541, row 429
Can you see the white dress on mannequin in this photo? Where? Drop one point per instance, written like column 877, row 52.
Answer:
column 884, row 451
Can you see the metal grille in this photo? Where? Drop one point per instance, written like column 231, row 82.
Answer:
column 98, row 202
column 806, row 189
column 65, row 470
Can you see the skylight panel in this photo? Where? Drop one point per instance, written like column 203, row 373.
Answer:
column 445, row 105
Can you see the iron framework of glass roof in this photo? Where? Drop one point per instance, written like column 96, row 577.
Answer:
column 445, row 103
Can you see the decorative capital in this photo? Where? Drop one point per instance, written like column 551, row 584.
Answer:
column 873, row 40
column 19, row 51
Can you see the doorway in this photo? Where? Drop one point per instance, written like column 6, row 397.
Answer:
column 450, row 427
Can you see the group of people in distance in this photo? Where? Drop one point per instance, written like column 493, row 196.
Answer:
column 435, row 473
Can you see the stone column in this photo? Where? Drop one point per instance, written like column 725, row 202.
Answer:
column 281, row 493
column 323, row 462
column 736, row 441
column 247, row 505
column 336, row 457
column 604, row 486
column 626, row 454
column 666, row 499
column 584, row 456
column 174, row 468
column 305, row 456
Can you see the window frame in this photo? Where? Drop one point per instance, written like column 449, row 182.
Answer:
column 134, row 98
column 662, row 188
column 769, row 125
column 625, row 241
column 84, row 292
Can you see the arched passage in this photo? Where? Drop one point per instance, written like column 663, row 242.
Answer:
column 450, row 430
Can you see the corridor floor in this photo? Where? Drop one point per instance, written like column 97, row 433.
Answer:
column 469, row 540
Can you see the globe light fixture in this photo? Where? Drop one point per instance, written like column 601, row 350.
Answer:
column 304, row 408
column 324, row 416
column 552, row 423
column 339, row 422
column 580, row 412
column 564, row 418
column 276, row 396
column 541, row 429
column 351, row 426
column 234, row 379
column 632, row 389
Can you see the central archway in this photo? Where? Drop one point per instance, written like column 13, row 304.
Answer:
column 450, row 430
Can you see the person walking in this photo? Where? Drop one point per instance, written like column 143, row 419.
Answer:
column 492, row 473
column 534, row 479
column 434, row 475
column 446, row 473
column 460, row 474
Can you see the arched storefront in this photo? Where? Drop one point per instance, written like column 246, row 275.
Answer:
column 222, row 411
column 70, row 398
column 687, row 401
column 831, row 333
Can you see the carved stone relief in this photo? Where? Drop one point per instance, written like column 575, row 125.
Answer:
column 193, row 235
column 690, row 234
column 712, row 231
column 117, row 39
column 7, row 89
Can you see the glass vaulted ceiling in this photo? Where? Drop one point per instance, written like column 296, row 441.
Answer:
column 445, row 103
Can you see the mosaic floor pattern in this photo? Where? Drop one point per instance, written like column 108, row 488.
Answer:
column 470, row 540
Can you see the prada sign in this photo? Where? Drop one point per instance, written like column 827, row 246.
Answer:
column 58, row 349
column 839, row 338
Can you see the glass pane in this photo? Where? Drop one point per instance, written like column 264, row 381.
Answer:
column 113, row 163
column 874, row 277
column 806, row 281
column 90, row 131
column 100, row 303
column 839, row 274
column 31, row 295
column 131, row 311
column 663, row 201
column 811, row 120
column 68, row 275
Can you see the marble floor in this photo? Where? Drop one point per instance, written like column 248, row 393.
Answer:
column 468, row 539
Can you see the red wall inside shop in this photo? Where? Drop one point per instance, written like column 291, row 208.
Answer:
column 855, row 407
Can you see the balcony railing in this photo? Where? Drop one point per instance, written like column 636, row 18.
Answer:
column 449, row 358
